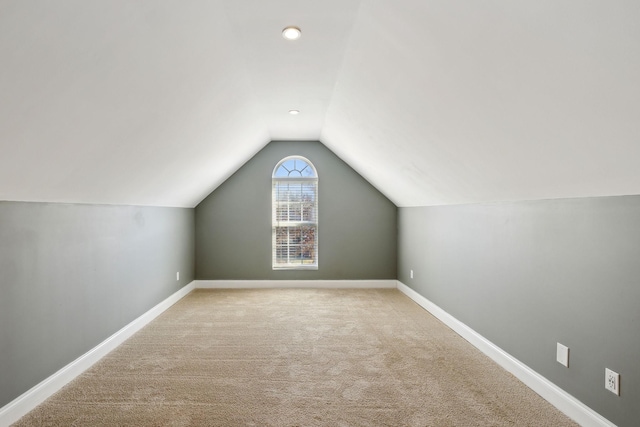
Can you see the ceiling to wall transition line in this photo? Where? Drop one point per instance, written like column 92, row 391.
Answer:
column 157, row 102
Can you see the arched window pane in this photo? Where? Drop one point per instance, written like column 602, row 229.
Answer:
column 294, row 168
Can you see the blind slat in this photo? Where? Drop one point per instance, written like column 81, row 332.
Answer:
column 295, row 223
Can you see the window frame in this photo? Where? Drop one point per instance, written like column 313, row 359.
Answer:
column 278, row 223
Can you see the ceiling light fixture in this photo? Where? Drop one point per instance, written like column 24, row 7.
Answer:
column 291, row 33
column 294, row 112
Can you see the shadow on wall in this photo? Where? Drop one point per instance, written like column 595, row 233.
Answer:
column 357, row 234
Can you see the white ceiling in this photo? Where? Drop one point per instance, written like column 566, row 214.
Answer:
column 154, row 102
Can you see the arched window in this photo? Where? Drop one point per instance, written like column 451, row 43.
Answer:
column 295, row 214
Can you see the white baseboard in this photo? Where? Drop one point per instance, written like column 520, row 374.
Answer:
column 566, row 403
column 280, row 284
column 559, row 398
column 24, row 403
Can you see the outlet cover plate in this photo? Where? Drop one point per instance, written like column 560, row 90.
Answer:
column 562, row 355
column 612, row 381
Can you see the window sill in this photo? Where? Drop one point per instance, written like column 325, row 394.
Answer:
column 295, row 267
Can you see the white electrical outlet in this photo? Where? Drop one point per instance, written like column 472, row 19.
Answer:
column 612, row 381
column 412, row 274
column 178, row 275
column 562, row 355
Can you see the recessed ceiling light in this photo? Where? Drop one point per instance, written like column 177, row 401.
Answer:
column 294, row 112
column 291, row 33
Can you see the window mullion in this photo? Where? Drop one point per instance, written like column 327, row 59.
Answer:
column 295, row 215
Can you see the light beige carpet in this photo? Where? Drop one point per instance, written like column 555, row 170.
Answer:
column 296, row 357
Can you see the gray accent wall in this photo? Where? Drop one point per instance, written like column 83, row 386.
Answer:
column 73, row 275
column 357, row 224
column 527, row 275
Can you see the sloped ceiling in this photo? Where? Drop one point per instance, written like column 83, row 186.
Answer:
column 153, row 102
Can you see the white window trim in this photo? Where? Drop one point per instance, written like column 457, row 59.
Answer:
column 276, row 222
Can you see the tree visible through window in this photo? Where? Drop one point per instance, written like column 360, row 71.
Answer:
column 295, row 214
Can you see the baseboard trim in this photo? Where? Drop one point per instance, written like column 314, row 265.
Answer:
column 26, row 402
column 280, row 284
column 566, row 403
column 559, row 398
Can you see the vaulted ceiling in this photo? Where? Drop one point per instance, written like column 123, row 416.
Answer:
column 157, row 102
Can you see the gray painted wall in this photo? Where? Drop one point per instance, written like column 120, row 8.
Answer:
column 72, row 275
column 526, row 275
column 357, row 224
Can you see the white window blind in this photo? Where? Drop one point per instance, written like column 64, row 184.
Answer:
column 295, row 214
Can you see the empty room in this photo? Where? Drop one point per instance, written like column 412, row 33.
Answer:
column 319, row 213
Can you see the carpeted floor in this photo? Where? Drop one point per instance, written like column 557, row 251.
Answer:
column 296, row 357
